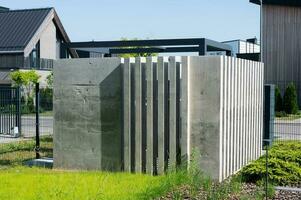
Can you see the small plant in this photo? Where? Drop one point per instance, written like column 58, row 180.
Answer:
column 49, row 80
column 26, row 80
column 281, row 114
column 290, row 103
column 278, row 100
column 46, row 101
column 129, row 55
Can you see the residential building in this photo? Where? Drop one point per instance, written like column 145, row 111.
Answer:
column 246, row 49
column 281, row 42
column 30, row 39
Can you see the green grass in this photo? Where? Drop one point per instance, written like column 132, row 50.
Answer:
column 14, row 154
column 24, row 183
column 21, row 183
column 34, row 183
column 283, row 116
column 45, row 114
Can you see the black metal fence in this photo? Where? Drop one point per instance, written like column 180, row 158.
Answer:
column 10, row 121
column 27, row 111
column 287, row 121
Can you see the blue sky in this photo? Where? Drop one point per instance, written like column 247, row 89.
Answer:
column 86, row 20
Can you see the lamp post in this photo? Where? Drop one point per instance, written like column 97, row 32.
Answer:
column 267, row 142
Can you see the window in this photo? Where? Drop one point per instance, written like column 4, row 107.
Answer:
column 35, row 57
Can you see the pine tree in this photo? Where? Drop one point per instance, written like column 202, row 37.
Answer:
column 290, row 100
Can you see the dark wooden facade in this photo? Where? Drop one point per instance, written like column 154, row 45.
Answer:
column 281, row 40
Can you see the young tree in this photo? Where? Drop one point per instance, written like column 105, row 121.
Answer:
column 278, row 100
column 25, row 80
column 49, row 80
column 130, row 55
column 290, row 100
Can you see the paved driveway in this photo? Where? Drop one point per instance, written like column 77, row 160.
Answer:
column 29, row 125
column 287, row 129
column 29, row 128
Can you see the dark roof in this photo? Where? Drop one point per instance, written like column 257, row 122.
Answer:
column 17, row 27
column 278, row 2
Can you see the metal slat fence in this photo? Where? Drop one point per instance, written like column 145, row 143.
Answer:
column 10, row 123
column 18, row 108
column 286, row 124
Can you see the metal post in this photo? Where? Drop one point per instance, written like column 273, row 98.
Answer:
column 267, row 143
column 18, row 114
column 37, row 148
column 269, row 113
column 267, row 172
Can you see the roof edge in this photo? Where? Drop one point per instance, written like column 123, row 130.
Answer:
column 258, row 2
column 63, row 32
column 30, row 9
column 296, row 3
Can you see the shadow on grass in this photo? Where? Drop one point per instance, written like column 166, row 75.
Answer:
column 17, row 153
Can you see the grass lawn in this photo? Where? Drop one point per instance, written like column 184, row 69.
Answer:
column 18, row 182
column 288, row 117
column 14, row 154
column 45, row 114
column 22, row 183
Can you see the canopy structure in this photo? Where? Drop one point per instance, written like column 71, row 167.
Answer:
column 199, row 45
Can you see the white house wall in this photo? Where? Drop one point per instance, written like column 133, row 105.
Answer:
column 48, row 42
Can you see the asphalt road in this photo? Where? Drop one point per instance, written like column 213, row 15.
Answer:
column 29, row 125
column 29, row 128
column 287, row 129
column 283, row 129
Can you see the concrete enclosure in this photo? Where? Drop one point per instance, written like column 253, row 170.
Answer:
column 151, row 114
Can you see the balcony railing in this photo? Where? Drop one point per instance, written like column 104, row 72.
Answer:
column 42, row 63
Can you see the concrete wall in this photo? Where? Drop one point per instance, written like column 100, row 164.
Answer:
column 225, row 113
column 87, row 113
column 148, row 115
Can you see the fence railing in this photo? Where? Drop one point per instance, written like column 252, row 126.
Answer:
column 285, row 125
column 10, row 116
column 43, row 64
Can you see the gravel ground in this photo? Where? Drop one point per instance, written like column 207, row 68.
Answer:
column 287, row 195
column 249, row 191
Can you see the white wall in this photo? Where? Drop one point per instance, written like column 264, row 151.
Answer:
column 48, row 47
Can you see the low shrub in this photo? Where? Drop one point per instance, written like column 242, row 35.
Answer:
column 278, row 100
column 284, row 166
column 46, row 102
column 290, row 103
column 281, row 114
column 27, row 106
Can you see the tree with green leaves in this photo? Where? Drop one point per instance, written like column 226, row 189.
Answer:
column 49, row 80
column 25, row 80
column 278, row 100
column 130, row 55
column 290, row 102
